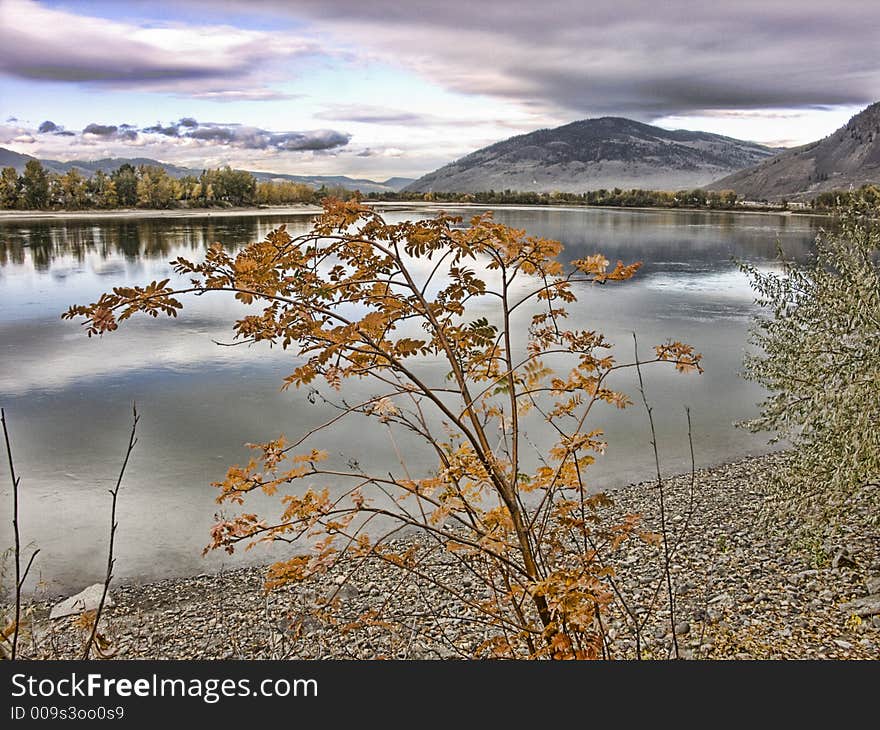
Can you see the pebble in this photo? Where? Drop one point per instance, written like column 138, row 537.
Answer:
column 794, row 614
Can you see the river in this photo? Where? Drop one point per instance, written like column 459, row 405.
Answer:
column 68, row 398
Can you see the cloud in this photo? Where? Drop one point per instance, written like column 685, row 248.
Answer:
column 122, row 132
column 576, row 59
column 247, row 137
column 209, row 60
column 170, row 131
column 383, row 152
column 101, row 130
column 261, row 139
column 49, row 127
column 240, row 95
column 370, row 115
column 189, row 132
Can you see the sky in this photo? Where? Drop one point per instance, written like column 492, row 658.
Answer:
column 382, row 88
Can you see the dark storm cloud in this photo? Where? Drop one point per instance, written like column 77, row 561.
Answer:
column 628, row 57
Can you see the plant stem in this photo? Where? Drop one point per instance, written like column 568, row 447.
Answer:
column 114, row 493
column 663, row 530
column 18, row 579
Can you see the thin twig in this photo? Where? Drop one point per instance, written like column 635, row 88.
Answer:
column 662, row 501
column 111, row 561
column 18, row 579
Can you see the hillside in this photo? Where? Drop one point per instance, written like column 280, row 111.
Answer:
column 607, row 152
column 848, row 157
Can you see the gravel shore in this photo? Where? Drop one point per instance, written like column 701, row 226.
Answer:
column 741, row 592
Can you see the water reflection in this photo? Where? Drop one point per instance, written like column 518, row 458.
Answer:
column 42, row 242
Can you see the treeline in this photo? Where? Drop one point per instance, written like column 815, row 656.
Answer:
column 866, row 194
column 637, row 198
column 617, row 197
column 147, row 186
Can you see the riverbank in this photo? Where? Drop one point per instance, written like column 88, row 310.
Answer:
column 309, row 209
column 23, row 215
column 742, row 592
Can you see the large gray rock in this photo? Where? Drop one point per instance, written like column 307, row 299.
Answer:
column 86, row 600
column 867, row 606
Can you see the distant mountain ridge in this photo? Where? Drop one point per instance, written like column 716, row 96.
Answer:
column 607, row 152
column 9, row 158
column 848, row 157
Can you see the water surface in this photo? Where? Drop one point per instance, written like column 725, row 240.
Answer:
column 68, row 398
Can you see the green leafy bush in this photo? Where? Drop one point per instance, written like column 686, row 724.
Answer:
column 819, row 357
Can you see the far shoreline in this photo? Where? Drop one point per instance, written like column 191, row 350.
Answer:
column 295, row 208
column 311, row 209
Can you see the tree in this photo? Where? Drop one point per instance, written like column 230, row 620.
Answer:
column 819, row 357
column 155, row 188
column 35, row 185
column 10, row 188
column 126, row 181
column 102, row 190
column 360, row 298
column 73, row 190
column 239, row 186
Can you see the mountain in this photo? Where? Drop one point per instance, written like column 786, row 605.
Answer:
column 398, row 183
column 351, row 183
column 848, row 157
column 607, row 152
column 8, row 158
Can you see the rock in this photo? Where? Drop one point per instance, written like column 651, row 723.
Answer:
column 843, row 644
column 713, row 616
column 868, row 606
column 86, row 600
column 873, row 584
column 683, row 628
column 842, row 559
